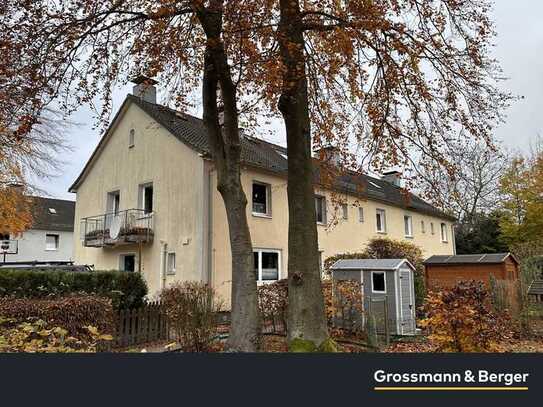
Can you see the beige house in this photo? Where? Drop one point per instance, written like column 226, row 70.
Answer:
column 147, row 201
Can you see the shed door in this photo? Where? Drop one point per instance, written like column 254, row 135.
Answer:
column 407, row 303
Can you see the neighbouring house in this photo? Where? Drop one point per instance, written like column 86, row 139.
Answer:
column 388, row 290
column 147, row 200
column 446, row 271
column 50, row 239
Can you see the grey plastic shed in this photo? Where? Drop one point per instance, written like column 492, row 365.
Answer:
column 386, row 283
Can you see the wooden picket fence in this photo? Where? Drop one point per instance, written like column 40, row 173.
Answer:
column 141, row 325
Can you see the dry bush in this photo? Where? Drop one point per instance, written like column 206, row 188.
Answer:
column 460, row 319
column 36, row 336
column 191, row 309
column 72, row 313
column 340, row 298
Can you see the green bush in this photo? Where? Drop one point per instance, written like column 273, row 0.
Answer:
column 126, row 290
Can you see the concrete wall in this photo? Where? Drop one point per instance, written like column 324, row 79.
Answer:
column 177, row 174
column 32, row 247
column 344, row 236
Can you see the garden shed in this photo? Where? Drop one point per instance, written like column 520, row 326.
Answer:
column 447, row 271
column 388, row 290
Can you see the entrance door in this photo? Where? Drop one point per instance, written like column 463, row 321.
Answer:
column 407, row 306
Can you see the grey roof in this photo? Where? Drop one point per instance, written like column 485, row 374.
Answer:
column 493, row 258
column 369, row 264
column 271, row 157
column 52, row 214
column 536, row 288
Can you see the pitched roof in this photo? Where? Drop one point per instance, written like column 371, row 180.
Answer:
column 493, row 258
column 271, row 157
column 369, row 264
column 53, row 214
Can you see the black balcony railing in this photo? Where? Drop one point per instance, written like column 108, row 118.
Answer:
column 119, row 228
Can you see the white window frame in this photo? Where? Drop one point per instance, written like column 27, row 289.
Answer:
column 344, row 211
column 360, row 214
column 409, row 231
column 131, row 138
column 381, row 212
column 384, row 279
column 169, row 269
column 422, row 226
column 268, row 213
column 142, row 187
column 259, row 271
column 443, row 232
column 121, row 261
column 324, row 214
column 57, row 242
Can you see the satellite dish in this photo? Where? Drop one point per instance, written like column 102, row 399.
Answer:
column 115, row 227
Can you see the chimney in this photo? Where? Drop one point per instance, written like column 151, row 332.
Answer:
column 392, row 176
column 329, row 155
column 144, row 88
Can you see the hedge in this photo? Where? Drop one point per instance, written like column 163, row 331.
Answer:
column 126, row 290
column 73, row 313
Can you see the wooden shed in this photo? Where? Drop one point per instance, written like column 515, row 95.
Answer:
column 388, row 287
column 446, row 271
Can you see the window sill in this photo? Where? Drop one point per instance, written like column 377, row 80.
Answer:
column 444, row 241
column 381, row 232
column 378, row 292
column 51, row 250
column 321, row 224
column 409, row 236
column 170, row 273
column 261, row 215
column 264, row 282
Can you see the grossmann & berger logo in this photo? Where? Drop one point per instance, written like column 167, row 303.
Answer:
column 469, row 380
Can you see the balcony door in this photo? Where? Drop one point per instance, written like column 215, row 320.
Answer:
column 146, row 197
column 112, row 206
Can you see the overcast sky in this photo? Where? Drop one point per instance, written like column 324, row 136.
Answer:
column 519, row 48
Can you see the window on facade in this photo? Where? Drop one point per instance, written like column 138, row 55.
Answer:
column 128, row 262
column 361, row 214
column 378, row 281
column 344, row 211
column 320, row 208
column 146, row 197
column 443, row 232
column 261, row 198
column 432, row 231
column 380, row 219
column 51, row 241
column 171, row 263
column 408, row 225
column 422, row 227
column 266, row 264
column 131, row 136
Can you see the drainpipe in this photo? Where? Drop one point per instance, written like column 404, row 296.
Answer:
column 163, row 251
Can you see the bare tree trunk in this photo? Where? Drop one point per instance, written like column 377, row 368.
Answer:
column 306, row 318
column 226, row 151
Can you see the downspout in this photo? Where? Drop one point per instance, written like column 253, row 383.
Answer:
column 453, row 227
column 163, row 251
column 209, row 276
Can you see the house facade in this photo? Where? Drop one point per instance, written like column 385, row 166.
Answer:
column 147, row 201
column 50, row 239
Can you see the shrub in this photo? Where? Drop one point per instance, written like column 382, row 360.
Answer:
column 191, row 309
column 459, row 319
column 126, row 290
column 383, row 248
column 340, row 298
column 36, row 336
column 73, row 313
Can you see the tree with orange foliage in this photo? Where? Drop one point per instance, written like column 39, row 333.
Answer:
column 387, row 83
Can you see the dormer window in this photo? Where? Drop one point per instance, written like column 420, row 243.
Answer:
column 52, row 211
column 131, row 136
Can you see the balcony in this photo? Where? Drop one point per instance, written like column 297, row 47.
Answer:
column 116, row 229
